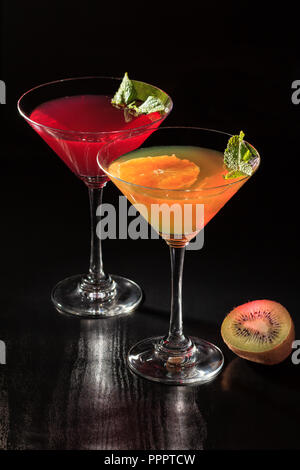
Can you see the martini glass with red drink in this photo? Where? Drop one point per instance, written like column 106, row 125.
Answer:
column 77, row 120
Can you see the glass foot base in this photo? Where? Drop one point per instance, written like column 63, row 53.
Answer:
column 200, row 364
column 69, row 298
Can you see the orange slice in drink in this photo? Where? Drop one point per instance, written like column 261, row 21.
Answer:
column 164, row 172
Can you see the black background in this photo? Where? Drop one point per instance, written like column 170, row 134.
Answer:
column 228, row 66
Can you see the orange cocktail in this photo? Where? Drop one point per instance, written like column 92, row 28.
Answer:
column 178, row 171
column 170, row 184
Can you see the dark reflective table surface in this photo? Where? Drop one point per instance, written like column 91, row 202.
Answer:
column 66, row 386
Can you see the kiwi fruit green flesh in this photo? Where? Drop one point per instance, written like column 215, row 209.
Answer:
column 260, row 331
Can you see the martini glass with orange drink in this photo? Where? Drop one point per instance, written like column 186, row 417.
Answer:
column 177, row 171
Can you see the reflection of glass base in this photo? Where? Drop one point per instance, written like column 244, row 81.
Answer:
column 73, row 296
column 200, row 364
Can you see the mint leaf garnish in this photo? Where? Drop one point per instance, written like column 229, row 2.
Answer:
column 151, row 105
column 239, row 157
column 233, row 174
column 126, row 92
column 139, row 98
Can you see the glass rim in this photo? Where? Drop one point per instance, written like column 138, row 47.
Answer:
column 230, row 183
column 87, row 133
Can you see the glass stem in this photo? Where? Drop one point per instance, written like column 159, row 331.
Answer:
column 96, row 284
column 96, row 272
column 175, row 339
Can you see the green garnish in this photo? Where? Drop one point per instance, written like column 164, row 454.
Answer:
column 139, row 98
column 126, row 92
column 239, row 157
column 151, row 105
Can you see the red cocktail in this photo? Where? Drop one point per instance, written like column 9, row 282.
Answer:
column 77, row 120
column 88, row 114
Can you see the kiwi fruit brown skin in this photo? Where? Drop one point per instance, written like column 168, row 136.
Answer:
column 270, row 339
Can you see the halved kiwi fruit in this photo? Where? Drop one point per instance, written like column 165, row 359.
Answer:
column 260, row 331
